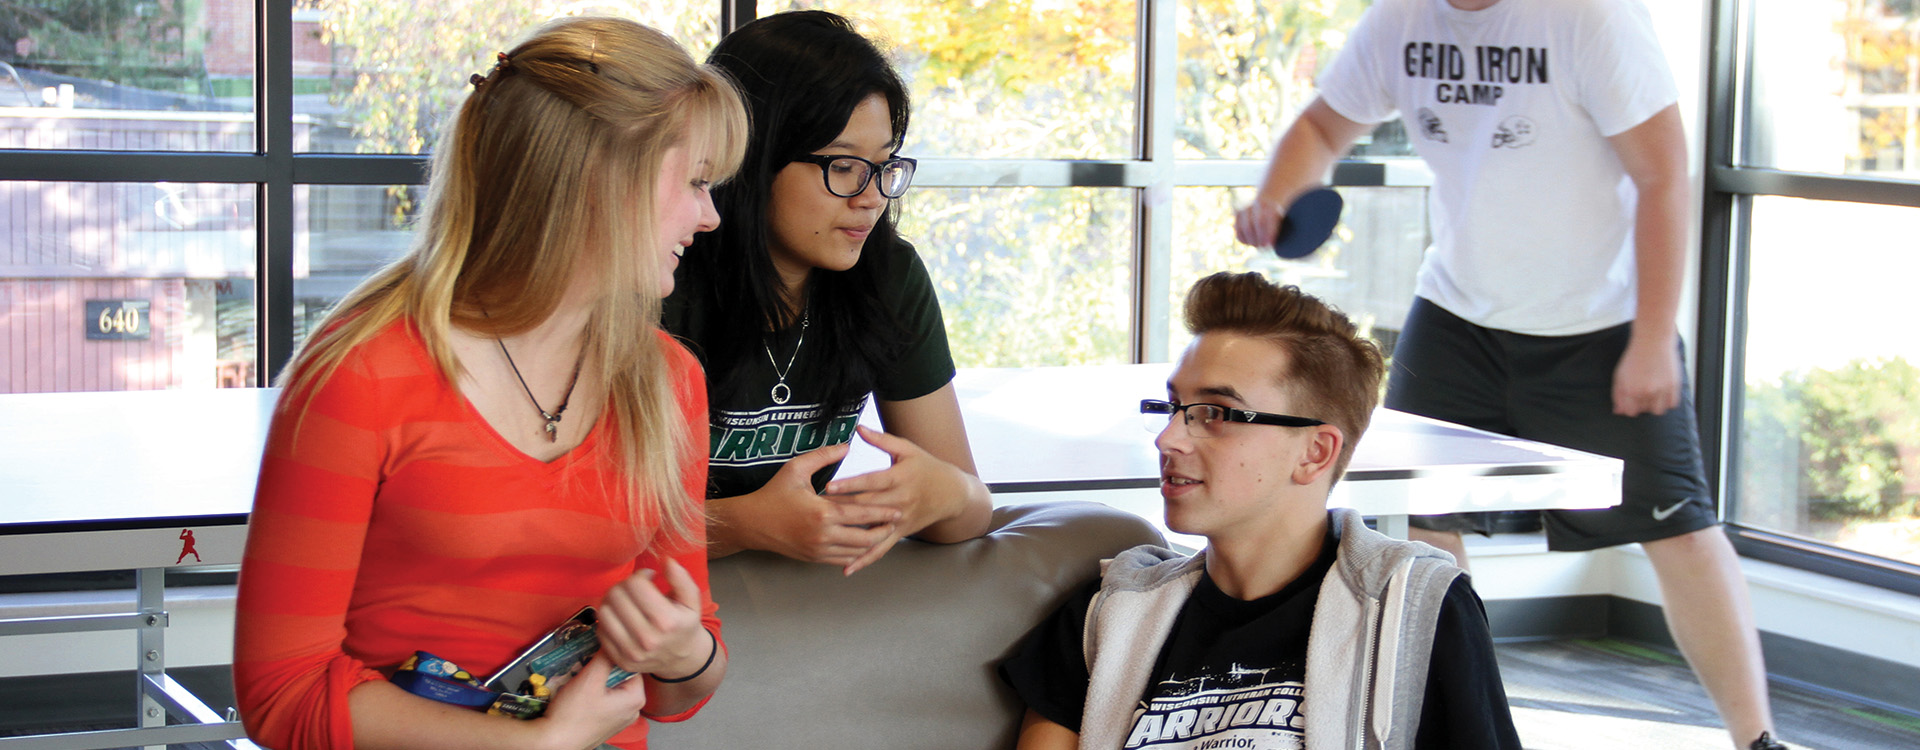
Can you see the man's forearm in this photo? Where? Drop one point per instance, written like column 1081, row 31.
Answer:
column 1306, row 152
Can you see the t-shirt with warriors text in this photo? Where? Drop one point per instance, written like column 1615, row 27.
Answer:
column 752, row 436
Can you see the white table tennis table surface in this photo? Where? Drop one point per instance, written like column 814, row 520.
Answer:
column 109, row 480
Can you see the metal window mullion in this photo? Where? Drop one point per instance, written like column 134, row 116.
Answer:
column 273, row 205
column 1731, row 397
column 1820, row 187
column 1715, row 344
column 1153, row 242
column 360, row 169
column 736, row 13
column 131, row 166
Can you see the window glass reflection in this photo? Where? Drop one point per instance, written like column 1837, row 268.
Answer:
column 126, row 286
column 346, row 233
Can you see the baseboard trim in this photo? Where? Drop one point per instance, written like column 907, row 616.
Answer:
column 1549, row 618
column 1848, row 675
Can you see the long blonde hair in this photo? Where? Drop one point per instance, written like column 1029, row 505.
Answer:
column 549, row 171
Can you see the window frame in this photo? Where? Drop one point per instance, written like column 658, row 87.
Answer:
column 276, row 170
column 1725, row 218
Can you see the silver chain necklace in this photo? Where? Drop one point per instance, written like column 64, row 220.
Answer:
column 781, row 393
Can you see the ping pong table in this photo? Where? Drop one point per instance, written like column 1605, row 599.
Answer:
column 1077, row 432
column 159, row 480
column 140, row 480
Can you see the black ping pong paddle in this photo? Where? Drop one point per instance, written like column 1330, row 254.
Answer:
column 1308, row 223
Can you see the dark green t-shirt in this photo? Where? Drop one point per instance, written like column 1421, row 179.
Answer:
column 752, row 436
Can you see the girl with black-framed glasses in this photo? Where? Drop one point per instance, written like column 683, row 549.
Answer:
column 806, row 302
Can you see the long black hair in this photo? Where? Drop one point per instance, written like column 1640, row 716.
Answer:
column 801, row 74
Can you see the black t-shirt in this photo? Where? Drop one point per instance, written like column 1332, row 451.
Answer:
column 1233, row 672
column 752, row 436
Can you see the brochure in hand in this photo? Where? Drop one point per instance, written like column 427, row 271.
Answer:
column 521, row 688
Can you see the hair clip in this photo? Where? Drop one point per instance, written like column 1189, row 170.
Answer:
column 476, row 79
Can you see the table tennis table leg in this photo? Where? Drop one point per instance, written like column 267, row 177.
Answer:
column 159, row 695
column 150, row 586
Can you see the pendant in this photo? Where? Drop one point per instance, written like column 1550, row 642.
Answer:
column 781, row 393
column 553, row 429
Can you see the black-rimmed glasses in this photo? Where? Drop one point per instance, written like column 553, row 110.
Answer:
column 847, row 176
column 1209, row 420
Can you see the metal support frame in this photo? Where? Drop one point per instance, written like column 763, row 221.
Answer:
column 158, row 699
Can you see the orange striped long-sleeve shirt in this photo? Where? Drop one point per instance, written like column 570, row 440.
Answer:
column 395, row 519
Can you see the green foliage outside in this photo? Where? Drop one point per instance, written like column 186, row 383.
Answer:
column 1883, row 49
column 138, row 43
column 1846, row 440
column 1246, row 67
column 1046, row 279
column 409, row 62
column 1033, row 276
column 1026, row 276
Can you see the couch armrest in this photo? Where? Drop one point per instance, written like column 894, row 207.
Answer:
column 902, row 654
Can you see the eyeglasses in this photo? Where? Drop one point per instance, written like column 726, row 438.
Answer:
column 1210, row 420
column 847, row 176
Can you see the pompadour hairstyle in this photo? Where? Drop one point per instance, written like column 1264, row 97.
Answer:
column 1333, row 372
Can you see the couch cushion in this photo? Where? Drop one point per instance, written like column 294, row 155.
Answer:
column 902, row 654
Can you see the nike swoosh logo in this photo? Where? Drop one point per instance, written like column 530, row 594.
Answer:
column 1660, row 514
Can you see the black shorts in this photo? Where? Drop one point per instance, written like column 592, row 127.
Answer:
column 1559, row 390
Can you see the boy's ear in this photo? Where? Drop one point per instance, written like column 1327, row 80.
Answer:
column 1323, row 451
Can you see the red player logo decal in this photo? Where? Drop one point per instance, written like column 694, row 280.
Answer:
column 186, row 546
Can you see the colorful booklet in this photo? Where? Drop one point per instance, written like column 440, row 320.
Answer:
column 521, row 688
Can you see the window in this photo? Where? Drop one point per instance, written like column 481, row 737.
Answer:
column 125, row 76
column 1834, row 87
column 1245, row 72
column 126, row 286
column 1366, row 268
column 1046, row 193
column 1032, row 260
column 1067, row 94
column 1247, row 69
column 1028, row 276
column 1830, row 413
column 364, row 83
column 347, row 233
column 141, row 168
column 1820, row 455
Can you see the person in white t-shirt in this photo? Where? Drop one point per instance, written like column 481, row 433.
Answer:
column 1546, row 306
